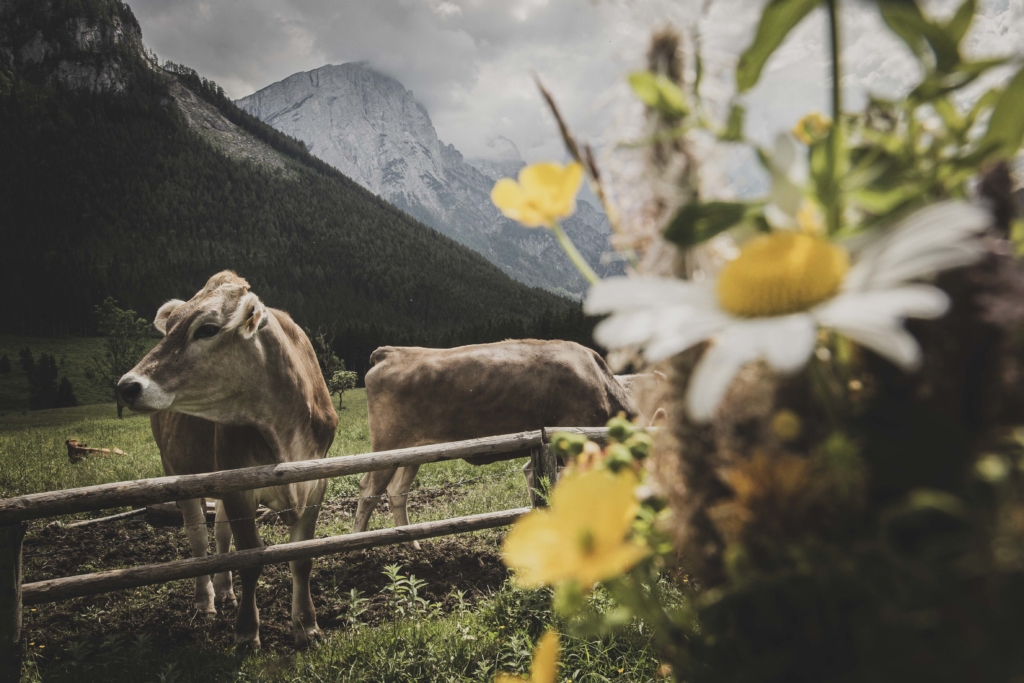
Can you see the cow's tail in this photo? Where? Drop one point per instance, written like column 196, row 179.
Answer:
column 619, row 399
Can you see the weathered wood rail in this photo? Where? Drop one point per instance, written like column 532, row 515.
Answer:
column 15, row 512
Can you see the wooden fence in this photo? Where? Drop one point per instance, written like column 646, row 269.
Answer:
column 14, row 512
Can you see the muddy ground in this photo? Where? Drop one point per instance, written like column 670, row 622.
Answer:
column 164, row 613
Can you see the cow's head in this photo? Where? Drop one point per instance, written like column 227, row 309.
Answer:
column 209, row 357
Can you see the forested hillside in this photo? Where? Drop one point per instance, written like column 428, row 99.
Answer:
column 108, row 192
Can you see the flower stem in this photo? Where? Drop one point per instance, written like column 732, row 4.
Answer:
column 835, row 206
column 570, row 249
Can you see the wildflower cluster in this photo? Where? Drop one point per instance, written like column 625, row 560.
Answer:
column 843, row 453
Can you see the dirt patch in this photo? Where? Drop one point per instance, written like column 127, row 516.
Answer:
column 164, row 613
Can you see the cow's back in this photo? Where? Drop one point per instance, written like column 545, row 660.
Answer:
column 419, row 396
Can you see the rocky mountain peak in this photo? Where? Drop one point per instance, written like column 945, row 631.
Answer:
column 371, row 128
column 79, row 45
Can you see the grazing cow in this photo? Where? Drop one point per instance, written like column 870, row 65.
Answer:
column 235, row 384
column 418, row 396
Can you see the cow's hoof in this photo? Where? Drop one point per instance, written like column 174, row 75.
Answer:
column 306, row 637
column 207, row 608
column 227, row 600
column 247, row 642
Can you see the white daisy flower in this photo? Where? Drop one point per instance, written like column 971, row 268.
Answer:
column 770, row 301
column 790, row 175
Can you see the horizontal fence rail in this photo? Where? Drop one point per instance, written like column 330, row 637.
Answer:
column 14, row 512
column 104, row 582
column 166, row 489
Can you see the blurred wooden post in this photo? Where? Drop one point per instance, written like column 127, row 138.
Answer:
column 545, row 469
column 10, row 601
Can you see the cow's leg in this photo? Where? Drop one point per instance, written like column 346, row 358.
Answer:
column 222, row 586
column 398, row 496
column 304, row 626
column 371, row 488
column 194, row 514
column 241, row 510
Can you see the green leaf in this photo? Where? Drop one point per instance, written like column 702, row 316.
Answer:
column 1006, row 127
column 881, row 202
column 734, row 126
column 659, row 93
column 961, row 21
column 986, row 101
column 699, row 221
column 924, row 38
column 777, row 20
column 936, row 85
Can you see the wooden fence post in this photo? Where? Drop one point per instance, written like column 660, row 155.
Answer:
column 11, row 536
column 545, row 469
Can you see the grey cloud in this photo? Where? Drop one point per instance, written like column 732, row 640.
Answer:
column 470, row 62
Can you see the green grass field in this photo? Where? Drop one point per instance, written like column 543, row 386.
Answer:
column 460, row 619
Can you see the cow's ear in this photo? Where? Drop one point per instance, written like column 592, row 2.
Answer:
column 254, row 315
column 164, row 312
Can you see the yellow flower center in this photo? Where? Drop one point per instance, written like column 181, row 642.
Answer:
column 781, row 273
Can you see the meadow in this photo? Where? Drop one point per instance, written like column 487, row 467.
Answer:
column 446, row 613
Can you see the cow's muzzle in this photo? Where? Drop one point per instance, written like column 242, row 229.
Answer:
column 141, row 394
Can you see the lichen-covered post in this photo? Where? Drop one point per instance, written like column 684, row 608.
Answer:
column 544, row 465
column 11, row 536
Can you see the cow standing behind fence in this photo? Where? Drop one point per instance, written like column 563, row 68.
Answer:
column 235, row 384
column 417, row 396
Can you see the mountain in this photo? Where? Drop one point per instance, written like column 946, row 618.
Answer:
column 372, row 129
column 119, row 177
column 503, row 159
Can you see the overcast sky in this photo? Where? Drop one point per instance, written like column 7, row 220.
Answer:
column 470, row 62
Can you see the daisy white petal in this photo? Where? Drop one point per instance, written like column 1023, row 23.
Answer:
column 889, row 341
column 935, row 238
column 669, row 342
column 789, row 175
column 884, row 307
column 616, row 294
column 714, row 373
column 786, row 343
column 927, row 263
column 631, row 328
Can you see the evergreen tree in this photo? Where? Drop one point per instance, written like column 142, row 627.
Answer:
column 28, row 364
column 45, row 391
column 65, row 394
column 5, row 365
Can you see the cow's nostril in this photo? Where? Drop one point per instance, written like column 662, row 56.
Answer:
column 129, row 391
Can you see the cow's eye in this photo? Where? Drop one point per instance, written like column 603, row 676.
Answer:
column 206, row 331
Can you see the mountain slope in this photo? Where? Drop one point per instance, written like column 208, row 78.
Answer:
column 373, row 130
column 142, row 186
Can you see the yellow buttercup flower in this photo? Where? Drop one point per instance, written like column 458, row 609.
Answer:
column 545, row 192
column 582, row 536
column 545, row 663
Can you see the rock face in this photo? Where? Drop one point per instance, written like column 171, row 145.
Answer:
column 373, row 130
column 49, row 41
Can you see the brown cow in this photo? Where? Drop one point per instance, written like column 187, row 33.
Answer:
column 417, row 396
column 235, row 384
